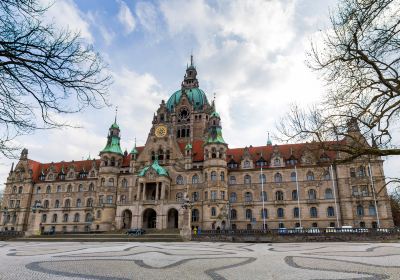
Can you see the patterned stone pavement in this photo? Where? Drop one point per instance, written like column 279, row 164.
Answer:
column 192, row 260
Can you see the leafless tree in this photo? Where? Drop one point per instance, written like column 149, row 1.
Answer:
column 44, row 72
column 359, row 58
column 395, row 206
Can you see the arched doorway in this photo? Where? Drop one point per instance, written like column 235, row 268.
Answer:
column 173, row 218
column 126, row 219
column 149, row 218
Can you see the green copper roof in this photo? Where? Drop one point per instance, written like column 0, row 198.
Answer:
column 113, row 146
column 161, row 171
column 188, row 146
column 216, row 137
column 215, row 114
column 115, row 125
column 196, row 96
column 134, row 151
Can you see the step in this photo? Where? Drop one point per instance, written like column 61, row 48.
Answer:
column 132, row 239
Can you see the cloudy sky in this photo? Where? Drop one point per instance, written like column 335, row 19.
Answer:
column 250, row 53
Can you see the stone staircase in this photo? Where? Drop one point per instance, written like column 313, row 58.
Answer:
column 168, row 235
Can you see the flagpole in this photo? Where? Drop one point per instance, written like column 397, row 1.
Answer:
column 373, row 192
column 334, row 195
column 298, row 194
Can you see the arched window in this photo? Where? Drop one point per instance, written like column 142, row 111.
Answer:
column 330, row 211
column 179, row 180
column 249, row 214
column 213, row 176
column 248, row 197
column 112, row 161
column 293, row 177
column 44, row 218
column 98, row 214
column 310, row 176
column 67, row 203
column 46, row 204
column 232, row 180
column 278, row 178
column 327, row 175
column 312, row 194
column 69, row 188
column 78, row 203
column 205, row 176
column 247, row 179
column 179, row 196
column 296, row 212
column 263, row 196
column 57, row 204
column 195, row 215
column 54, row 220
column 232, row 197
column 48, row 189
column 91, row 187
column 222, row 175
column 20, row 189
column 361, row 171
column 89, row 202
column 59, row 188
column 264, row 213
column 38, row 190
column 195, row 196
column 360, row 210
column 328, row 194
column 313, row 212
column 122, row 199
column 233, row 214
column 213, row 212
column 76, row 218
column 280, row 212
column 294, row 195
column 279, row 195
column 263, row 178
column 14, row 189
column 88, row 218
column 103, row 181
column 195, row 179
column 213, row 153
column 124, row 183
column 111, row 182
column 80, row 188
column 372, row 210
column 65, row 218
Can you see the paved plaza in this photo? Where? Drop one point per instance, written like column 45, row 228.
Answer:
column 192, row 260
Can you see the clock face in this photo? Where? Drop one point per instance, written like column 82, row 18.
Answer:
column 161, row 131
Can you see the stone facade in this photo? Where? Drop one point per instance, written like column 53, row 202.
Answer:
column 185, row 155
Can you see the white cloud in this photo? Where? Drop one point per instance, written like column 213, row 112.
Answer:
column 125, row 17
column 147, row 15
column 65, row 13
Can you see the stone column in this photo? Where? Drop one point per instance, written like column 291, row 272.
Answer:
column 144, row 191
column 162, row 191
column 157, row 192
column 138, row 191
column 186, row 231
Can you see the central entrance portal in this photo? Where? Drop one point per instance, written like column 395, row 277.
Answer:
column 149, row 218
column 173, row 218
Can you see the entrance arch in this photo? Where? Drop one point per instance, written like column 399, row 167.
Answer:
column 127, row 219
column 173, row 218
column 149, row 218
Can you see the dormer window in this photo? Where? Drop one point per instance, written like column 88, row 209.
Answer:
column 246, row 164
column 277, row 162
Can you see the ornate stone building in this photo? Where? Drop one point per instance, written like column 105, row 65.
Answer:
column 185, row 154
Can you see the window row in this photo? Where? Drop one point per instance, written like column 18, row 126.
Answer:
column 279, row 195
column 69, row 175
column 76, row 218
column 67, row 203
column 68, row 189
column 278, row 178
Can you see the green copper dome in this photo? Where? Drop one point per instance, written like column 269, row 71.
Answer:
column 215, row 137
column 113, row 146
column 161, row 171
column 196, row 96
column 115, row 125
column 215, row 114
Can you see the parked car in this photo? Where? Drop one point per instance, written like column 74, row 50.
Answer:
column 135, row 231
column 346, row 229
column 382, row 230
column 282, row 231
column 296, row 230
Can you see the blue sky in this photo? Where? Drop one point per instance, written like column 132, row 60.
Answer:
column 250, row 53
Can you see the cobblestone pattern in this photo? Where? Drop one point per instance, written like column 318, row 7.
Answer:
column 193, row 260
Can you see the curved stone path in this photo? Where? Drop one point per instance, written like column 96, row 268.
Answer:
column 192, row 260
